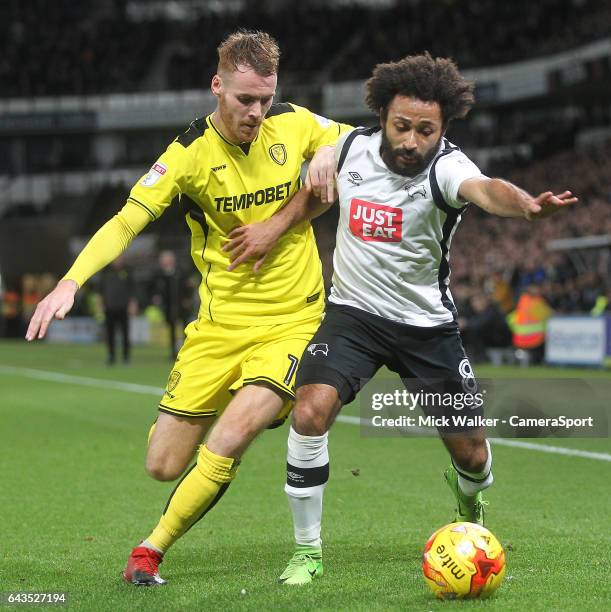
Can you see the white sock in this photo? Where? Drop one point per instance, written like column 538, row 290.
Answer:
column 472, row 482
column 147, row 544
column 307, row 472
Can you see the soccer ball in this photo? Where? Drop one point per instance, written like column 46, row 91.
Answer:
column 463, row 561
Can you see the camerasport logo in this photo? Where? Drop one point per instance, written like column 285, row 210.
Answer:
column 375, row 222
column 154, row 174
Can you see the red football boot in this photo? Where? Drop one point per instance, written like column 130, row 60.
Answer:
column 143, row 567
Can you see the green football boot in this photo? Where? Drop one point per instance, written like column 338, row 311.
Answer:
column 470, row 509
column 305, row 565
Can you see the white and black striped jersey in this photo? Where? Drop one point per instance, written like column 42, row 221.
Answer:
column 394, row 232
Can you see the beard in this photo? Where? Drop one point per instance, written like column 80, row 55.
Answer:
column 403, row 162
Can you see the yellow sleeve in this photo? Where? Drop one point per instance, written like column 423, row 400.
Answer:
column 319, row 130
column 108, row 242
column 170, row 175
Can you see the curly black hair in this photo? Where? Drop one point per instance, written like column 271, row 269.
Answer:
column 423, row 77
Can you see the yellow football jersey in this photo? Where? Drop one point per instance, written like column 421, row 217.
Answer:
column 223, row 186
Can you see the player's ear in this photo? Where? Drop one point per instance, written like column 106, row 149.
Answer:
column 216, row 85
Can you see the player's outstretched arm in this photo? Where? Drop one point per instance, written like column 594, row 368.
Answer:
column 256, row 240
column 505, row 199
column 105, row 246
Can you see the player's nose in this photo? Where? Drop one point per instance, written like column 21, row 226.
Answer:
column 409, row 141
column 255, row 111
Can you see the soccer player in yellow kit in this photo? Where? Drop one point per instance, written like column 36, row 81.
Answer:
column 236, row 369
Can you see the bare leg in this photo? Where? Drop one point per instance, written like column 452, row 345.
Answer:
column 173, row 443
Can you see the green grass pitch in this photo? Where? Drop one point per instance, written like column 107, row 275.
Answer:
column 76, row 499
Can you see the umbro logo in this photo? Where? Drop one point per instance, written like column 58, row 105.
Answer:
column 355, row 178
column 217, row 168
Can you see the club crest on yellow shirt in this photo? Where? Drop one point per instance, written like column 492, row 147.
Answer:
column 278, row 153
column 173, row 380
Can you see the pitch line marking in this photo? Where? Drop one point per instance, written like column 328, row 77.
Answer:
column 543, row 448
column 83, row 381
column 100, row 383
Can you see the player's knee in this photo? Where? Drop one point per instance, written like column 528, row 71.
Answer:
column 163, row 470
column 472, row 456
column 309, row 419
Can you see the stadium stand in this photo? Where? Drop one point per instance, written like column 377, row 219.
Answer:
column 73, row 39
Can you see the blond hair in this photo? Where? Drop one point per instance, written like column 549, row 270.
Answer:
column 255, row 49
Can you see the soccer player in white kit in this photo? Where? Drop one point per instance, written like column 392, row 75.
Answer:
column 402, row 188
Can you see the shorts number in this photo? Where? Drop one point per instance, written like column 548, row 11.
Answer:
column 289, row 374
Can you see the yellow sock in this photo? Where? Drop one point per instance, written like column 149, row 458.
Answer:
column 202, row 487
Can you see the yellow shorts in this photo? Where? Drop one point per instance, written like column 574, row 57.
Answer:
column 216, row 360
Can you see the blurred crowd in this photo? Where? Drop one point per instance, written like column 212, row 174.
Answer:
column 496, row 262
column 485, row 245
column 164, row 294
column 87, row 47
column 64, row 47
column 475, row 33
column 488, row 249
column 18, row 299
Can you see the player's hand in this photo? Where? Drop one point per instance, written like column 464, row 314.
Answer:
column 55, row 306
column 252, row 241
column 546, row 204
column 321, row 175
